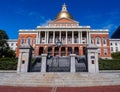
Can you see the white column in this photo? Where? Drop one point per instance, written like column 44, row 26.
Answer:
column 72, row 37
column 87, row 37
column 66, row 37
column 60, row 36
column 53, row 37
column 45, row 36
column 79, row 37
column 39, row 37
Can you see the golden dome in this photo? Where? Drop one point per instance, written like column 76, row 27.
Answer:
column 64, row 13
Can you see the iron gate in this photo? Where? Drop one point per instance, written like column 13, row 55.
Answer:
column 58, row 64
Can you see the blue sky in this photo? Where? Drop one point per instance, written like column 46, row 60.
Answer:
column 27, row 14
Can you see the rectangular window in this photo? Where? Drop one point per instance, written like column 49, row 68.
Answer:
column 99, row 51
column 116, row 49
column 105, row 51
column 92, row 57
column 12, row 44
column 93, row 62
column 111, row 48
column 115, row 44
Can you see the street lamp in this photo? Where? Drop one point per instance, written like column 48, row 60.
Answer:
column 58, row 43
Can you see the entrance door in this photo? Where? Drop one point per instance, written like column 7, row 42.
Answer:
column 41, row 50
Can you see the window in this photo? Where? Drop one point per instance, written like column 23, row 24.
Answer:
column 92, row 57
column 75, row 39
column 116, row 49
column 115, row 44
column 22, row 40
column 98, row 51
column 111, row 48
column 92, row 40
column 105, row 51
column 93, row 62
column 12, row 44
column 29, row 41
column 104, row 41
column 98, row 40
column 111, row 44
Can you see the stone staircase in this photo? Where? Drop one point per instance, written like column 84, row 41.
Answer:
column 59, row 79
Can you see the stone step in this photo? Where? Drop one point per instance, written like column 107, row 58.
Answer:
column 60, row 79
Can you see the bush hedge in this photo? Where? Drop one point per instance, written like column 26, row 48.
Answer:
column 106, row 64
column 8, row 63
column 115, row 55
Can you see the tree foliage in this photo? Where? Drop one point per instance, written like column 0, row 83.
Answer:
column 5, row 51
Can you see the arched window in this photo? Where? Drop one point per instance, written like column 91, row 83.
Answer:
column 29, row 41
column 22, row 40
column 92, row 40
column 98, row 40
column 104, row 41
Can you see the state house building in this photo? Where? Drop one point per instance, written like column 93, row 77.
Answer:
column 73, row 37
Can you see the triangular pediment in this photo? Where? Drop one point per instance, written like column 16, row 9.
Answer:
column 64, row 20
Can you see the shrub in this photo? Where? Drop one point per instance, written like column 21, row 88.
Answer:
column 8, row 64
column 115, row 55
column 109, row 64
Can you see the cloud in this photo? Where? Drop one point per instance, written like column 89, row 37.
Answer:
column 46, row 22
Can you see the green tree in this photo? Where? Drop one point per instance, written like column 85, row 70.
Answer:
column 4, row 47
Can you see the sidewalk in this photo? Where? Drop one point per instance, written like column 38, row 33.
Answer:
column 60, row 89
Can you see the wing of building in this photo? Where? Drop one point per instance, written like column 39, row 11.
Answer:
column 70, row 33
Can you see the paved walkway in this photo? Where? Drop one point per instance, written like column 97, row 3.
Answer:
column 60, row 89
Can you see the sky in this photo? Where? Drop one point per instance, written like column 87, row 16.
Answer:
column 28, row 14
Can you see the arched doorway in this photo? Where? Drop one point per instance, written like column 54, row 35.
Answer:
column 76, row 50
column 41, row 49
column 84, row 50
column 63, row 51
column 69, row 50
column 49, row 50
column 56, row 52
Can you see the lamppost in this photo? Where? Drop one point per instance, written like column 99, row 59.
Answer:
column 58, row 44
